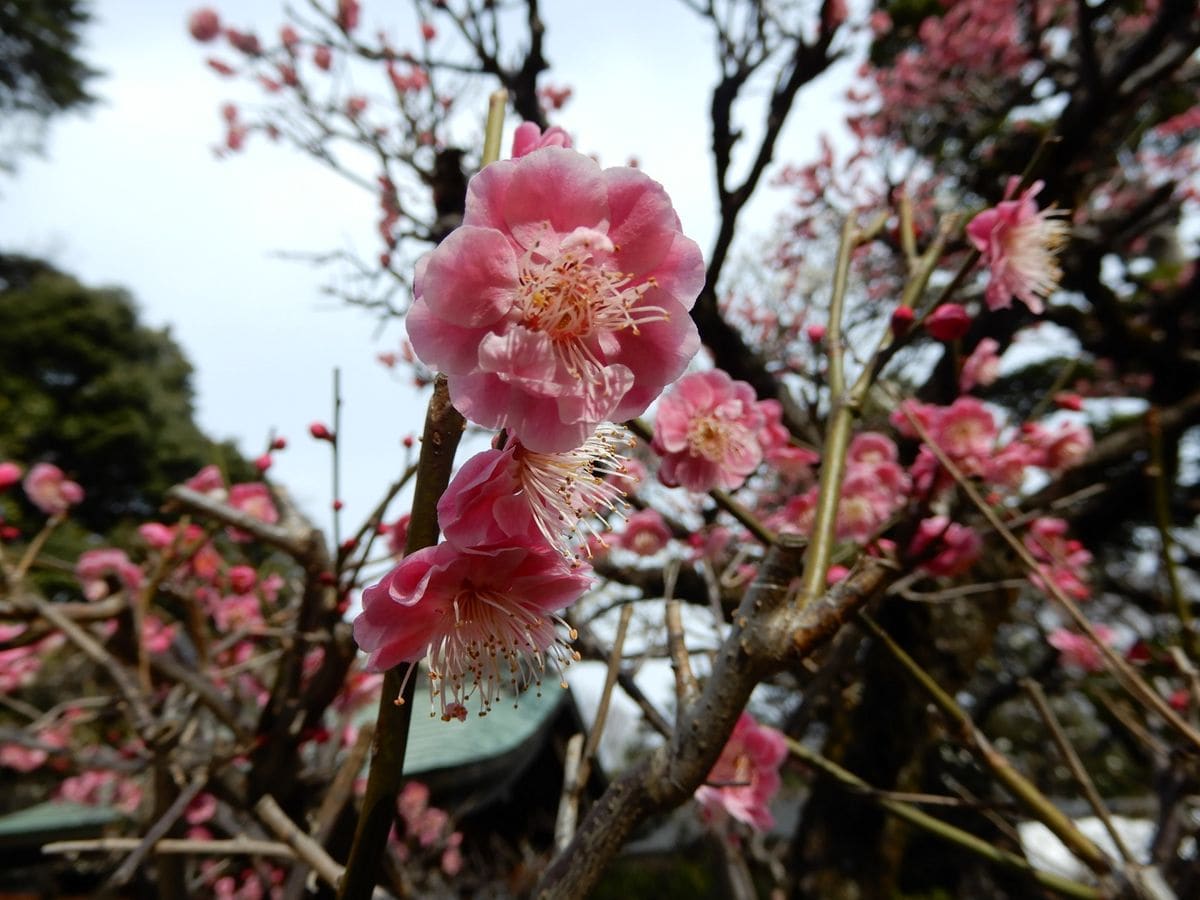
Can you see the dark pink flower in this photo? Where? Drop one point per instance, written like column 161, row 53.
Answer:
column 242, row 579
column 323, row 57
column 1062, row 561
column 1019, row 245
column 562, row 300
column 254, row 499
column 487, row 622
column 746, row 776
column 397, row 535
column 208, row 480
column 204, row 24
column 50, row 490
column 708, row 431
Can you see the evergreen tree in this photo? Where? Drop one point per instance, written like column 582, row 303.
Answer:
column 84, row 385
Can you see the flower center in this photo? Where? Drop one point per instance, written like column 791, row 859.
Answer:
column 492, row 641
column 1032, row 247
column 710, row 437
column 573, row 298
column 577, row 488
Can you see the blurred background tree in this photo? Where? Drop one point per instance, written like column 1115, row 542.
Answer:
column 41, row 73
column 85, row 385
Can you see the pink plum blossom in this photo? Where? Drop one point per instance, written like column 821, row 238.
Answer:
column 517, row 493
column 529, row 137
column 94, row 567
column 982, row 367
column 645, row 533
column 946, row 548
column 254, row 499
column 873, row 488
column 1019, row 245
column 707, row 431
column 486, row 622
column 786, row 458
column 50, row 490
column 208, row 480
column 1078, row 651
column 1062, row 561
column 746, row 776
column 562, row 300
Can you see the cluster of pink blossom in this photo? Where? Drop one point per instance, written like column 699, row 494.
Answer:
column 960, row 56
column 560, row 305
column 875, row 486
column 1062, row 561
column 746, row 776
column 426, row 829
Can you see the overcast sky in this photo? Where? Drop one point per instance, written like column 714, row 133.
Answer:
column 132, row 195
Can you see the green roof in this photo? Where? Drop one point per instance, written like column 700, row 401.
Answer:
column 55, row 820
column 434, row 744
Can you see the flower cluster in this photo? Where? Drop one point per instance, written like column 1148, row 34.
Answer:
column 560, row 305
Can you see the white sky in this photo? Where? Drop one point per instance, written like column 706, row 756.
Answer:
column 131, row 195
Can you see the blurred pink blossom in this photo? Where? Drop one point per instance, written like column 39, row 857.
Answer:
column 50, row 490
column 746, row 776
column 1019, row 245
column 645, row 533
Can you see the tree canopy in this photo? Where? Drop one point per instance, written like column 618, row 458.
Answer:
column 85, row 385
column 41, row 72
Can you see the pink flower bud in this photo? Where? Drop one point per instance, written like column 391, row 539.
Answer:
column 323, row 58
column 428, row 32
column 243, row 41
column 279, row 444
column 242, row 579
column 320, row 432
column 263, row 462
column 337, row 505
column 902, row 319
column 1068, row 401
column 289, row 38
column 10, row 474
column 204, row 24
column 816, row 333
column 948, row 322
